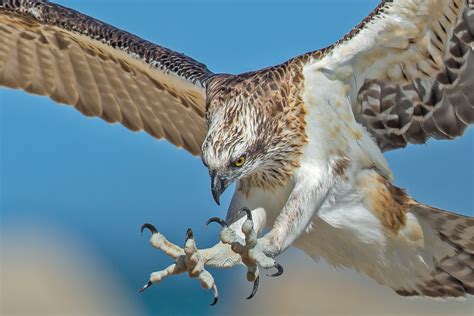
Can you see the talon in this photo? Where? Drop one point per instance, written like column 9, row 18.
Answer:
column 218, row 220
column 255, row 287
column 150, row 227
column 189, row 234
column 216, row 295
column 246, row 210
column 146, row 286
column 279, row 270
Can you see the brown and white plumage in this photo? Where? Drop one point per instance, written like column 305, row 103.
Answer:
column 408, row 73
column 310, row 131
column 453, row 275
column 50, row 50
column 421, row 86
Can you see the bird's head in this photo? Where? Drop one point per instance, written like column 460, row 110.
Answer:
column 237, row 145
column 256, row 130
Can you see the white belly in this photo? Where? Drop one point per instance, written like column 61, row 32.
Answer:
column 343, row 236
column 353, row 237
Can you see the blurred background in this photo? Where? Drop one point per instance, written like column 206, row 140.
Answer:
column 74, row 191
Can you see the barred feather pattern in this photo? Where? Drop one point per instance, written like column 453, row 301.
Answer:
column 102, row 71
column 157, row 56
column 454, row 275
column 433, row 105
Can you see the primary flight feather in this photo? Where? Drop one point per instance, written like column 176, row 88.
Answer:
column 303, row 140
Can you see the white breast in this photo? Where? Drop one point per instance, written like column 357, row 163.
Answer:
column 344, row 231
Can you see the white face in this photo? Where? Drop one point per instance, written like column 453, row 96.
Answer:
column 232, row 149
column 229, row 147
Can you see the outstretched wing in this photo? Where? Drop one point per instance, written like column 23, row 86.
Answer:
column 102, row 71
column 412, row 66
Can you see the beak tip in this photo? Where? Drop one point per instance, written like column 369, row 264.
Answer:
column 216, row 199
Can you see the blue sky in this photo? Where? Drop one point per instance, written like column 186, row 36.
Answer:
column 102, row 181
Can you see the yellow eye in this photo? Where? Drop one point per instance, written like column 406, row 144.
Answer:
column 239, row 162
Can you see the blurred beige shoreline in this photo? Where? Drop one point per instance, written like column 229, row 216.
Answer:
column 46, row 271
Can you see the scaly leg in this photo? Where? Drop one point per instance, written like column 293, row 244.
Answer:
column 192, row 260
column 306, row 198
column 249, row 250
column 252, row 252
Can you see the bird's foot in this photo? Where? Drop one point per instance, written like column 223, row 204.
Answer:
column 251, row 249
column 187, row 259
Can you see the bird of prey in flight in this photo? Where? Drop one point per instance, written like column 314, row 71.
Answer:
column 303, row 140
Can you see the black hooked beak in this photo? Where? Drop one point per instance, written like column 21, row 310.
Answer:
column 218, row 186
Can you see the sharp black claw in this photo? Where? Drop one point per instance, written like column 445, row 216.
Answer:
column 216, row 295
column 189, row 234
column 255, row 287
column 279, row 270
column 218, row 220
column 150, row 227
column 146, row 286
column 246, row 210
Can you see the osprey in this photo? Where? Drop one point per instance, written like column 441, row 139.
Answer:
column 303, row 140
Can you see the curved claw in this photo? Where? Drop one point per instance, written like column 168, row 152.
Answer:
column 216, row 295
column 189, row 234
column 146, row 286
column 255, row 287
column 150, row 227
column 246, row 210
column 218, row 220
column 279, row 270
